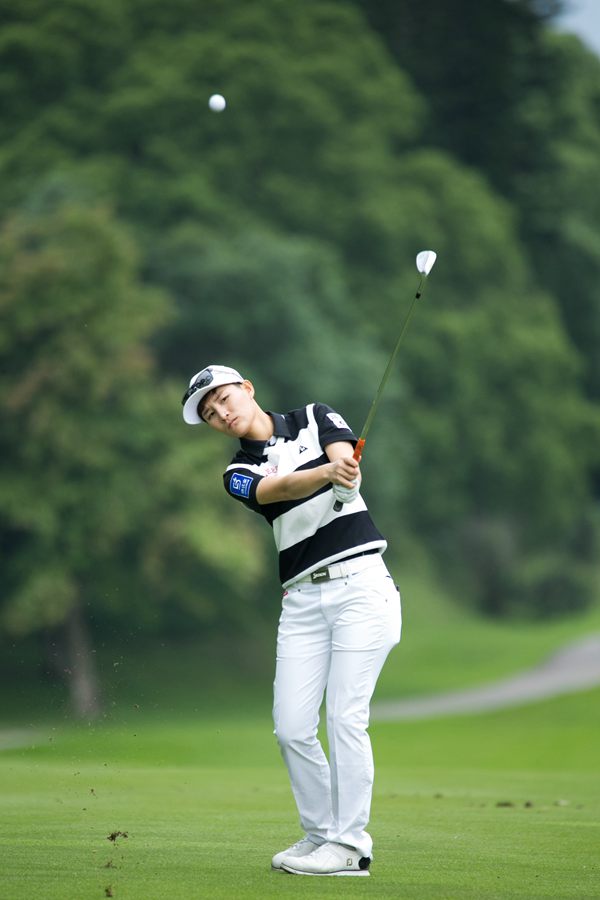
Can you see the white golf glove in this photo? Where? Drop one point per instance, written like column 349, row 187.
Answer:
column 344, row 494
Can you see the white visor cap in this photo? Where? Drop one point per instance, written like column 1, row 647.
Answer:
column 201, row 384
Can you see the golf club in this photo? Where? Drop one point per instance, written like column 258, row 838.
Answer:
column 425, row 261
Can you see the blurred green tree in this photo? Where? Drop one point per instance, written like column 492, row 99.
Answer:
column 283, row 296
column 477, row 65
column 559, row 207
column 498, row 425
column 521, row 103
column 85, row 431
column 296, row 214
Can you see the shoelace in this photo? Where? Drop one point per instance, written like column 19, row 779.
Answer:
column 299, row 843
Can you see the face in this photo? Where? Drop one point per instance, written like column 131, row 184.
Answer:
column 230, row 409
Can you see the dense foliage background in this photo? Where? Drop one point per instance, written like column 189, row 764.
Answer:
column 143, row 237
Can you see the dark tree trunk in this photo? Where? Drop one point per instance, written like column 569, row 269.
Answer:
column 82, row 677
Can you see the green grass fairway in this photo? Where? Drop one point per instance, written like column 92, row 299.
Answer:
column 497, row 806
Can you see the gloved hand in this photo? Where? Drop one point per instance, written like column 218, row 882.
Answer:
column 344, row 494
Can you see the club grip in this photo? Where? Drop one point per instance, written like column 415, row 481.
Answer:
column 357, row 455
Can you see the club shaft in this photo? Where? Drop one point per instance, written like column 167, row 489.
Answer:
column 388, row 370
column 369, row 420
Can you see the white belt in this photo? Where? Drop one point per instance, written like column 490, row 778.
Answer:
column 342, row 569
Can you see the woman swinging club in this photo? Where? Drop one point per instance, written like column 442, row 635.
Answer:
column 340, row 611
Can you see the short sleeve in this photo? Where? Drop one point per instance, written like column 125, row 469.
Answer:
column 241, row 484
column 332, row 427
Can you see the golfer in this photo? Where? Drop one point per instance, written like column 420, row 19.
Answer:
column 341, row 609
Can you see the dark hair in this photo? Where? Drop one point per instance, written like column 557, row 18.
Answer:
column 201, row 404
column 207, row 395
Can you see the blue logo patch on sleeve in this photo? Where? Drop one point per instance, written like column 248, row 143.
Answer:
column 240, row 484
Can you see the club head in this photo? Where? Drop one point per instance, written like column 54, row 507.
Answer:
column 425, row 261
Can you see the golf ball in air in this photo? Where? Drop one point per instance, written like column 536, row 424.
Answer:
column 217, row 103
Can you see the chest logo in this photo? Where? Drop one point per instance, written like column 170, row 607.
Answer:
column 302, row 449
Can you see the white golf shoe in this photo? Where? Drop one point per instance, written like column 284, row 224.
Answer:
column 329, row 859
column 301, row 848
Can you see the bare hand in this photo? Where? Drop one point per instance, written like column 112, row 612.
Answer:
column 344, row 471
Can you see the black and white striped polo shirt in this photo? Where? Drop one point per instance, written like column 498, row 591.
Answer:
column 308, row 532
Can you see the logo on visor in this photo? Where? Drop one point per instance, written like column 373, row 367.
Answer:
column 240, row 484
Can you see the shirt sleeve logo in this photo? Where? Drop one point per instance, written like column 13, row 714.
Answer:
column 240, row 484
column 337, row 420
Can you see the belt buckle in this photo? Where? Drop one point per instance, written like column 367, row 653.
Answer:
column 320, row 575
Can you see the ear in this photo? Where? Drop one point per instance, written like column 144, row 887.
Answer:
column 248, row 387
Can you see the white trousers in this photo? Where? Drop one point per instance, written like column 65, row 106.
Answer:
column 333, row 637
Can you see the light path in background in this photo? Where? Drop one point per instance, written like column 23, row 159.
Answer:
column 11, row 738
column 574, row 668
